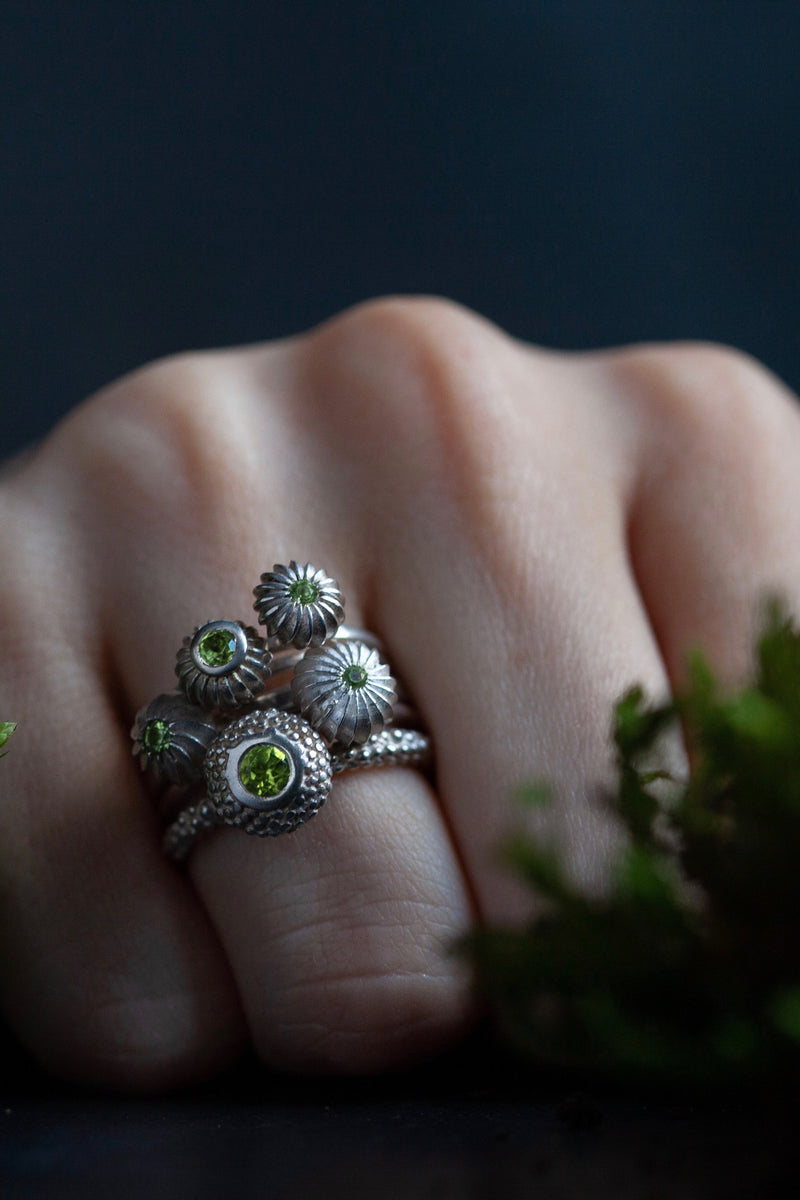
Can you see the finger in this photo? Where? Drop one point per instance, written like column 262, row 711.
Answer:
column 338, row 935
column 714, row 527
column 112, row 973
column 503, row 579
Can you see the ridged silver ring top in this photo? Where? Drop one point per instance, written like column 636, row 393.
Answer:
column 300, row 606
column 171, row 738
column 224, row 665
column 345, row 691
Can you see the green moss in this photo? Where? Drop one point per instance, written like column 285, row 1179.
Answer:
column 646, row 980
column 6, row 730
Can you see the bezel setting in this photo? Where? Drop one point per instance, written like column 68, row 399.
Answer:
column 345, row 691
column 300, row 606
column 300, row 799
column 250, row 799
column 237, row 683
column 191, row 731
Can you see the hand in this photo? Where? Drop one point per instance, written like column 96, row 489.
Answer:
column 529, row 532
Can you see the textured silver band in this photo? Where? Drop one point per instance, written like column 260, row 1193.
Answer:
column 288, row 657
column 389, row 748
column 392, row 747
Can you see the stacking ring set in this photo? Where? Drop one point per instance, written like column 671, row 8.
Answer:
column 260, row 725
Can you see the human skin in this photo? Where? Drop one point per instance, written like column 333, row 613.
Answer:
column 529, row 532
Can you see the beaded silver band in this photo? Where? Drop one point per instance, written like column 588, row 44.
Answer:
column 286, row 658
column 391, row 747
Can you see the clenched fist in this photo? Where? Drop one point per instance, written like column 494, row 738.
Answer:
column 528, row 532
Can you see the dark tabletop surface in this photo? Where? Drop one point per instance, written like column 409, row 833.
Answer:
column 473, row 1124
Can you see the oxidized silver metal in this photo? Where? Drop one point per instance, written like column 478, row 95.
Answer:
column 317, row 697
column 345, row 691
column 391, row 747
column 287, row 657
column 237, row 683
column 171, row 738
column 304, row 792
column 300, row 606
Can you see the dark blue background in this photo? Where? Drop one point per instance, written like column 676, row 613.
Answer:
column 176, row 175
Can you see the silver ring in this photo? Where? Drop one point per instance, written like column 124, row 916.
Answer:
column 270, row 772
column 264, row 723
column 287, row 658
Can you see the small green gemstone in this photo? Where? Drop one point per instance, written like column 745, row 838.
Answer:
column 355, row 676
column 303, row 591
column 265, row 770
column 217, row 647
column 156, row 737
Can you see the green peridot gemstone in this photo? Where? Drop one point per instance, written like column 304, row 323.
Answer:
column 217, row 647
column 264, row 770
column 355, row 676
column 303, row 591
column 156, row 737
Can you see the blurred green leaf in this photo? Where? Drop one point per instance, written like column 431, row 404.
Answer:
column 784, row 1011
column 687, row 968
column 756, row 718
column 735, row 1039
column 6, row 730
column 534, row 795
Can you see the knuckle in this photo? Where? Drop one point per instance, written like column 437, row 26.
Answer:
column 461, row 419
column 161, row 436
column 407, row 322
column 418, row 352
column 715, row 424
column 415, row 381
column 705, row 393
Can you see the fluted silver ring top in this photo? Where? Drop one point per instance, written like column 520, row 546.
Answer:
column 171, row 738
column 223, row 665
column 345, row 691
column 300, row 606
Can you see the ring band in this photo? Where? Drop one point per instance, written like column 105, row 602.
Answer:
column 265, row 723
column 391, row 747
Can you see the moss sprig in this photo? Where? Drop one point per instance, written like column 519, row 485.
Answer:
column 689, row 966
column 6, row 730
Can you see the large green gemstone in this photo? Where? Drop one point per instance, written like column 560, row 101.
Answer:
column 265, row 770
column 303, row 591
column 156, row 737
column 355, row 676
column 217, row 647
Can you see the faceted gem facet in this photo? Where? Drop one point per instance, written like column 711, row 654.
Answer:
column 217, row 647
column 265, row 770
column 303, row 591
column 156, row 737
column 355, row 676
